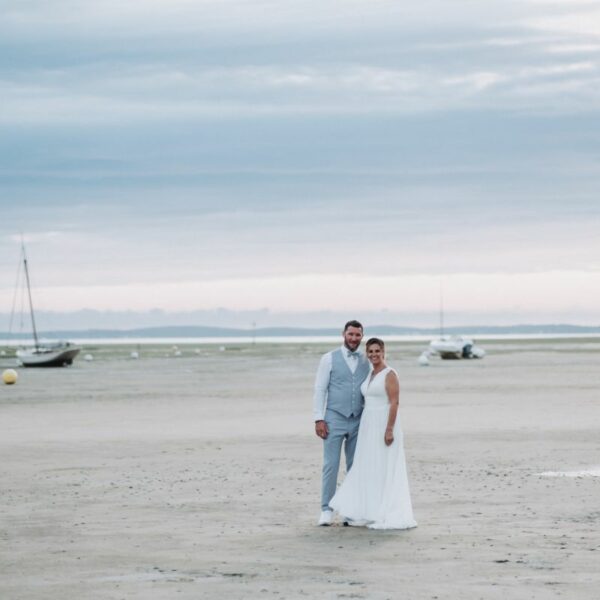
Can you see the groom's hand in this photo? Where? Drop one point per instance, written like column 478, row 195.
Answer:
column 321, row 429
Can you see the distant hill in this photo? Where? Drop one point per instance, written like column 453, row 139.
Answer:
column 203, row 331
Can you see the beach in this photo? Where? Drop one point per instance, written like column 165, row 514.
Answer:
column 198, row 476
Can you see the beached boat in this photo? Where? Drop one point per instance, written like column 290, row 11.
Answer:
column 452, row 347
column 59, row 354
column 455, row 347
column 55, row 354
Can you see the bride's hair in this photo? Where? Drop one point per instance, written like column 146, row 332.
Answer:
column 377, row 341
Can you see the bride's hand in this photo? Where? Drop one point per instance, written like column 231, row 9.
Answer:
column 389, row 436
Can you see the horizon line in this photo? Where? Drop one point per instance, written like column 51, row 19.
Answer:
column 289, row 329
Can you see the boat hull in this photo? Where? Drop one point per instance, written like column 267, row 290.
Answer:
column 450, row 355
column 50, row 358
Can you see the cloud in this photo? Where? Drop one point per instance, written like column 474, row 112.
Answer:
column 403, row 232
column 34, row 238
column 148, row 61
column 312, row 292
column 579, row 19
column 210, row 142
column 228, row 16
column 158, row 93
column 573, row 48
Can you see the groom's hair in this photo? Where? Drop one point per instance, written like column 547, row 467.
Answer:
column 352, row 324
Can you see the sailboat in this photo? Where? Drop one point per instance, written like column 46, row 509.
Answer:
column 56, row 354
column 451, row 347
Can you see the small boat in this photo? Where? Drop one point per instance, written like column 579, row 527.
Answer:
column 455, row 347
column 55, row 354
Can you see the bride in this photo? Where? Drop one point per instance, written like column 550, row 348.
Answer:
column 375, row 492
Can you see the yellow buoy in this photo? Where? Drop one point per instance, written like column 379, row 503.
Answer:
column 9, row 376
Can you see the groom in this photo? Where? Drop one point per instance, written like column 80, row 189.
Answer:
column 337, row 407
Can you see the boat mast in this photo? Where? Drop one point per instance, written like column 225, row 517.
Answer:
column 35, row 336
column 441, row 310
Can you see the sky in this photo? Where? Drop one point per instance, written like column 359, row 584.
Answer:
column 302, row 160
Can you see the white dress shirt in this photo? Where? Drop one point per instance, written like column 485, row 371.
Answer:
column 322, row 380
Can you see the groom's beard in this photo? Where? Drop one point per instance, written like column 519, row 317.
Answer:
column 351, row 348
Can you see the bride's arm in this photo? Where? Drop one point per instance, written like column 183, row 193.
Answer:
column 392, row 387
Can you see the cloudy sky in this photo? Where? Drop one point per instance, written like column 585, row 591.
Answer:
column 349, row 156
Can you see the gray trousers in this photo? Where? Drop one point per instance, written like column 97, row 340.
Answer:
column 342, row 430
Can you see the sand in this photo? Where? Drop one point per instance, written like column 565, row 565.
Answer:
column 199, row 477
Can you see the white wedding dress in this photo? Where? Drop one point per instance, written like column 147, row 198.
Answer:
column 375, row 492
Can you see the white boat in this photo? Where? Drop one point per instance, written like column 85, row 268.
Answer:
column 57, row 354
column 455, row 347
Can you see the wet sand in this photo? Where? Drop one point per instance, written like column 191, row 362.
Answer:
column 198, row 477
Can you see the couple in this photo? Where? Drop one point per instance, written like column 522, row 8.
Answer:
column 375, row 492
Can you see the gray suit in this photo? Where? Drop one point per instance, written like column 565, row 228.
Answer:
column 344, row 405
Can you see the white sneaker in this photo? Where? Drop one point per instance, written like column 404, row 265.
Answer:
column 326, row 518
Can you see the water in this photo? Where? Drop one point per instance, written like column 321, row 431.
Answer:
column 249, row 339
column 591, row 472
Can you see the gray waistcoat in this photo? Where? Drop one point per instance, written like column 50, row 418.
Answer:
column 343, row 393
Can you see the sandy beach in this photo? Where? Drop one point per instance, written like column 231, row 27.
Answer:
column 198, row 477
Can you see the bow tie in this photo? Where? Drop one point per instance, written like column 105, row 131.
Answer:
column 352, row 354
